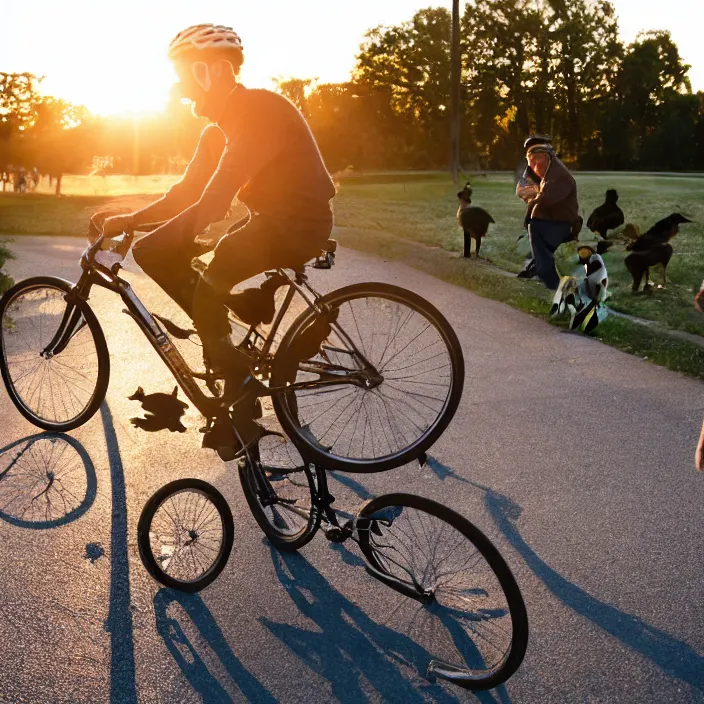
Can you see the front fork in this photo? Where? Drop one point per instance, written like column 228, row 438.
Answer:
column 72, row 321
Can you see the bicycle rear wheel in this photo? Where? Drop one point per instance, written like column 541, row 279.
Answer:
column 288, row 517
column 56, row 381
column 185, row 534
column 452, row 594
column 401, row 374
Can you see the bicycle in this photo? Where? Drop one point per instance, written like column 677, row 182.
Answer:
column 50, row 334
column 376, row 394
column 451, row 593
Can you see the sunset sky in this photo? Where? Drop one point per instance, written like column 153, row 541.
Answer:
column 110, row 56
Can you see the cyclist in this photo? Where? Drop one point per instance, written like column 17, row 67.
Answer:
column 258, row 148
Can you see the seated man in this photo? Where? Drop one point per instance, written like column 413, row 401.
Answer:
column 258, row 148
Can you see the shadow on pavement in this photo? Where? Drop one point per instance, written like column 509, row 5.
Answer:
column 173, row 628
column 123, row 687
column 350, row 649
column 46, row 480
column 675, row 657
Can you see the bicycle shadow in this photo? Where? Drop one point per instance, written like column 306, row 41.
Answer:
column 350, row 483
column 674, row 657
column 46, row 480
column 123, row 684
column 350, row 648
column 186, row 654
column 440, row 470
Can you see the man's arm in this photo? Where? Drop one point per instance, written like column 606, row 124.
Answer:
column 187, row 191
column 242, row 159
column 699, row 458
column 181, row 195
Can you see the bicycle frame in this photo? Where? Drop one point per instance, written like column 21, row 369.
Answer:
column 96, row 274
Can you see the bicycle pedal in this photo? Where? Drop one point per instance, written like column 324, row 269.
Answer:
column 337, row 535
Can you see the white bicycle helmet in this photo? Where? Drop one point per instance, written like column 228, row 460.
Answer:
column 204, row 36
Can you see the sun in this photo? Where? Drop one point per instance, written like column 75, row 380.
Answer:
column 117, row 87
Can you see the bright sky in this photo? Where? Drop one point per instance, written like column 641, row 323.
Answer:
column 110, row 54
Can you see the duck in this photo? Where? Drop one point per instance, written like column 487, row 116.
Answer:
column 584, row 296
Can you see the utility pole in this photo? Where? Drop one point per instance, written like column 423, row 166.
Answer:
column 455, row 79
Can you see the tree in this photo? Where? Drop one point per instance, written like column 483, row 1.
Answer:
column 411, row 63
column 585, row 54
column 652, row 97
column 296, row 90
column 500, row 48
column 537, row 66
column 18, row 100
column 59, row 140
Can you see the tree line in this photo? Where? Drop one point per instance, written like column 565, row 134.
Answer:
column 547, row 66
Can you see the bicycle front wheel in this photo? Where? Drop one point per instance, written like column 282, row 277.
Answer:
column 453, row 604
column 382, row 387
column 185, row 534
column 54, row 359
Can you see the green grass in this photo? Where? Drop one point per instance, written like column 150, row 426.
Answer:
column 42, row 213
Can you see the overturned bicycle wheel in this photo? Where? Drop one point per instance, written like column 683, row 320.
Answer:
column 451, row 596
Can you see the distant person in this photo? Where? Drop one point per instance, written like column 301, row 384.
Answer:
column 552, row 213
column 21, row 182
column 35, row 178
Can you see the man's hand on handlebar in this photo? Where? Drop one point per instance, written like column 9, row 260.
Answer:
column 115, row 225
column 109, row 224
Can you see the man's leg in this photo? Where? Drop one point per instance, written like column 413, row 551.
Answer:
column 168, row 263
column 260, row 245
column 545, row 238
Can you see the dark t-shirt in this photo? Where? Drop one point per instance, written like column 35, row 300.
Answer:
column 263, row 152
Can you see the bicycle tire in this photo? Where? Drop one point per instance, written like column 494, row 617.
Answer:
column 451, row 598
column 286, row 405
column 103, row 356
column 268, row 517
column 144, row 526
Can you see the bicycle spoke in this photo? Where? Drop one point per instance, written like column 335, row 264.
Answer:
column 186, row 535
column 468, row 620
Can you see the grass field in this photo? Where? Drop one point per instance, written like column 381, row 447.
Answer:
column 411, row 217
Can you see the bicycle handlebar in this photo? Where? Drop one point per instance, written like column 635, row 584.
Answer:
column 88, row 258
